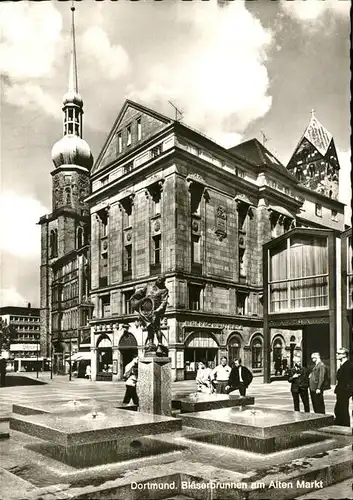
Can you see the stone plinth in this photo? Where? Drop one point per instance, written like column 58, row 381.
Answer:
column 82, row 438
column 203, row 402
column 260, row 430
column 154, row 386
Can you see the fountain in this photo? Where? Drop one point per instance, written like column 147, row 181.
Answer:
column 259, row 430
column 81, row 439
column 202, row 401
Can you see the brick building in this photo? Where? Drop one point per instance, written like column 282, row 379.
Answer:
column 166, row 199
column 64, row 271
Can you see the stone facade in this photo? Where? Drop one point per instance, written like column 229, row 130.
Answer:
column 199, row 214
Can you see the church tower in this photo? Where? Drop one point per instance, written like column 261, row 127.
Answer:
column 315, row 162
column 65, row 232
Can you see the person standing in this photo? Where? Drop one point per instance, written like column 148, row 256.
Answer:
column 220, row 376
column 203, row 378
column 130, row 377
column 2, row 372
column 299, row 378
column 88, row 372
column 316, row 383
column 240, row 378
column 344, row 388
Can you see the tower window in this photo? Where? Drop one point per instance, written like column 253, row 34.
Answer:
column 67, row 196
column 241, row 262
column 128, row 129
column 196, row 196
column 139, row 129
column 79, row 237
column 318, row 210
column 334, row 215
column 53, row 243
column 241, row 303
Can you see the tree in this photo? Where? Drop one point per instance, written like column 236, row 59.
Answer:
column 7, row 333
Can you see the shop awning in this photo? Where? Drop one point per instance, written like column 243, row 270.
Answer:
column 201, row 340
column 79, row 356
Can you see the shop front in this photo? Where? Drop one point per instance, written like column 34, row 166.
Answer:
column 199, row 346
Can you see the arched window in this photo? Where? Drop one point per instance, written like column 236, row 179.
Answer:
column 79, row 239
column 256, row 352
column 234, row 348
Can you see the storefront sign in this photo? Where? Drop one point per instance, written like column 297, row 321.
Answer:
column 208, row 324
column 24, row 347
column 298, row 322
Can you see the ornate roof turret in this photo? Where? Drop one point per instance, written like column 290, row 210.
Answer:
column 314, row 162
column 71, row 149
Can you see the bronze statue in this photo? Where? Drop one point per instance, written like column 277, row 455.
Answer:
column 151, row 309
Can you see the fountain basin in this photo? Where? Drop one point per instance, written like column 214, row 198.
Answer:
column 259, row 430
column 204, row 402
column 84, row 439
column 55, row 406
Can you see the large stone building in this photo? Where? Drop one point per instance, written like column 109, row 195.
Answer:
column 64, row 271
column 167, row 200
column 163, row 198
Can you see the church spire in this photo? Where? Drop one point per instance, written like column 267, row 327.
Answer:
column 73, row 80
column 72, row 149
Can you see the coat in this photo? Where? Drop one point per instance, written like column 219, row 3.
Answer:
column 317, row 376
column 234, row 379
column 344, row 384
column 300, row 383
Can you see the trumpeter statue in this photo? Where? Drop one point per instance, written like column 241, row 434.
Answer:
column 150, row 309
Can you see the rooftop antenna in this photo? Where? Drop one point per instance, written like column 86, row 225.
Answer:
column 177, row 112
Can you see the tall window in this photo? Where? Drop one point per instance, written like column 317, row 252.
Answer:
column 256, row 353
column 128, row 130
column 242, row 299
column 242, row 262
column 120, row 142
column 127, row 294
column 318, row 210
column 128, row 258
column 156, row 250
column 242, row 216
column 195, row 249
column 53, row 242
column 195, row 297
column 105, row 305
column 103, row 275
column 67, row 196
column 139, row 129
column 156, row 204
column 196, row 196
column 299, row 274
column 79, row 237
column 334, row 216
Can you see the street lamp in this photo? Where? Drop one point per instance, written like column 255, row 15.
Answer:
column 37, row 353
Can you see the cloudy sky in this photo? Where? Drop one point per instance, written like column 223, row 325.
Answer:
column 235, row 69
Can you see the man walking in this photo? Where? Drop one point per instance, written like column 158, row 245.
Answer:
column 344, row 388
column 220, row 376
column 316, row 383
column 240, row 378
column 130, row 377
column 299, row 378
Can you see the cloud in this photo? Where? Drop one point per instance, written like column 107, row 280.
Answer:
column 32, row 96
column 311, row 11
column 11, row 297
column 30, row 34
column 217, row 76
column 113, row 60
column 345, row 186
column 19, row 232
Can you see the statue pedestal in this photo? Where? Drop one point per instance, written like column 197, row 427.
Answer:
column 154, row 387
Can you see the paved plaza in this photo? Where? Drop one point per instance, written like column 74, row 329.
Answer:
column 275, row 395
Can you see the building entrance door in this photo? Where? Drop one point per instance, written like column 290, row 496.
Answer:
column 316, row 338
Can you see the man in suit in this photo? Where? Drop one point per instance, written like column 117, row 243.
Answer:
column 240, row 378
column 299, row 378
column 316, row 383
column 344, row 388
